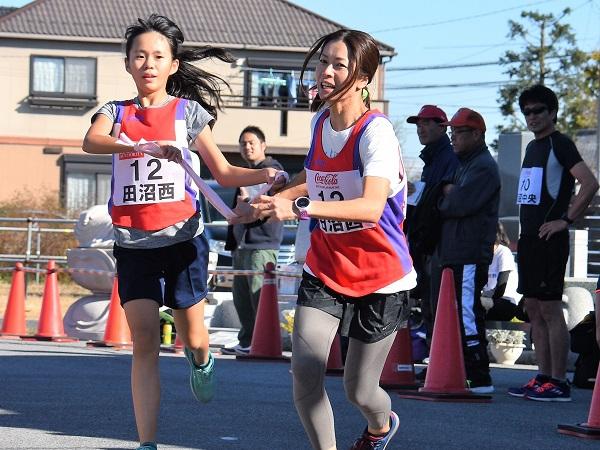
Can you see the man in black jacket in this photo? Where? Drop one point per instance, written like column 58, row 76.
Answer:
column 440, row 162
column 253, row 245
column 469, row 211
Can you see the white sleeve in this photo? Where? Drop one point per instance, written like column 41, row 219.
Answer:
column 506, row 261
column 380, row 153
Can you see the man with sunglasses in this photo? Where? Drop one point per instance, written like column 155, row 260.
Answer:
column 547, row 209
column 469, row 211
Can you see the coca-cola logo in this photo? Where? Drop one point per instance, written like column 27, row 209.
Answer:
column 328, row 179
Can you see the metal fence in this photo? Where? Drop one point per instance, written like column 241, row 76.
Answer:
column 35, row 229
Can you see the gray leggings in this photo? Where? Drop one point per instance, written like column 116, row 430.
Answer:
column 314, row 331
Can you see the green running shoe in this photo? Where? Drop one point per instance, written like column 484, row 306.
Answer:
column 202, row 378
column 148, row 446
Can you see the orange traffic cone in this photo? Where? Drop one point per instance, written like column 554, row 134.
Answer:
column 335, row 365
column 14, row 316
column 50, row 325
column 591, row 428
column 116, row 333
column 266, row 337
column 399, row 371
column 446, row 377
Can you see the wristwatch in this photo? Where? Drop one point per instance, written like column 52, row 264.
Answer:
column 301, row 205
column 565, row 217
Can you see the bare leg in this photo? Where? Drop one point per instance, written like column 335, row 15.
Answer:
column 189, row 323
column 539, row 331
column 142, row 317
column 558, row 337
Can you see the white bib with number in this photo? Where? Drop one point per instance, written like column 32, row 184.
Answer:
column 142, row 179
column 336, row 186
column 530, row 186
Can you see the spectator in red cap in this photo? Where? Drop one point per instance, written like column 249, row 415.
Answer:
column 469, row 213
column 440, row 164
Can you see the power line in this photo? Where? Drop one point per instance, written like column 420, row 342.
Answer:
column 435, row 86
column 457, row 19
column 460, row 66
column 441, row 66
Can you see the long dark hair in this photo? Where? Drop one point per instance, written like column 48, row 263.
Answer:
column 189, row 81
column 363, row 55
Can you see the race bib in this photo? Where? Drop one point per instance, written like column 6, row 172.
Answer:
column 142, row 179
column 530, row 186
column 336, row 186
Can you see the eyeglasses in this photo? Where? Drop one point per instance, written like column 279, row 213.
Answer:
column 457, row 132
column 538, row 110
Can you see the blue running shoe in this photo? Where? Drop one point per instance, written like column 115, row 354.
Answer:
column 552, row 391
column 369, row 442
column 202, row 378
column 531, row 386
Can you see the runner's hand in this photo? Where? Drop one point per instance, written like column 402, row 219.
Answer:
column 170, row 151
column 244, row 212
column 160, row 149
column 275, row 208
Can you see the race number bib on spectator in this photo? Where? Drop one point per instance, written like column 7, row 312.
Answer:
column 142, row 179
column 336, row 186
column 530, row 186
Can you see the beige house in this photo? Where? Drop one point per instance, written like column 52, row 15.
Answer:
column 62, row 59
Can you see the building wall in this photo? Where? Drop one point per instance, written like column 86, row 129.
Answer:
column 25, row 130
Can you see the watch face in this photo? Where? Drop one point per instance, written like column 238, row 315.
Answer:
column 302, row 202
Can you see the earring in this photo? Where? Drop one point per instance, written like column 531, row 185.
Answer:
column 364, row 93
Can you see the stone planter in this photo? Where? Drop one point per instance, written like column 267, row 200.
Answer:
column 506, row 353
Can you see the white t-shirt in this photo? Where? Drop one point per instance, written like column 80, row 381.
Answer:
column 374, row 152
column 503, row 261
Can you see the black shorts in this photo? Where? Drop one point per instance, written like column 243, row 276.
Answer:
column 175, row 276
column 368, row 319
column 541, row 266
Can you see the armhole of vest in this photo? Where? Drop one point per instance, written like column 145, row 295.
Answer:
column 318, row 125
column 120, row 111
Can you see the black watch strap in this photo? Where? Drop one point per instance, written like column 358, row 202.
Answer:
column 565, row 217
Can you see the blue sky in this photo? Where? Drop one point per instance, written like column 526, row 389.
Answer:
column 441, row 32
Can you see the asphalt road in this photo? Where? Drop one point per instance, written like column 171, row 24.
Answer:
column 67, row 396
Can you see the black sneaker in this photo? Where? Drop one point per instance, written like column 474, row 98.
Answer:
column 421, row 375
column 236, row 350
column 485, row 387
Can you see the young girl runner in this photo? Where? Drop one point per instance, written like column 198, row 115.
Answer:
column 158, row 226
column 358, row 269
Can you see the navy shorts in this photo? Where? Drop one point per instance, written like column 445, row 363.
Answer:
column 541, row 266
column 368, row 319
column 175, row 276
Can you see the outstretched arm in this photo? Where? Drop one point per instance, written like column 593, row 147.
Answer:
column 295, row 188
column 366, row 208
column 226, row 174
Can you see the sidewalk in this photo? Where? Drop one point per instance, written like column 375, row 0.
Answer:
column 67, row 396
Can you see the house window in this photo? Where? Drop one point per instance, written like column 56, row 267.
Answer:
column 277, row 88
column 85, row 180
column 62, row 81
column 85, row 190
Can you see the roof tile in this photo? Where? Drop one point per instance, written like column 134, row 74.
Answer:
column 259, row 23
